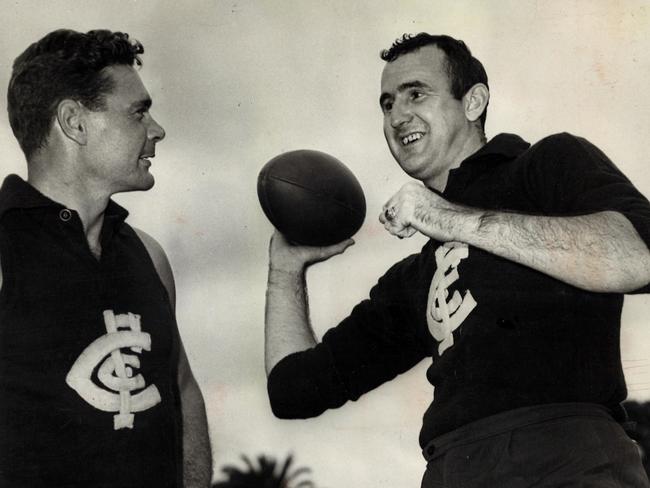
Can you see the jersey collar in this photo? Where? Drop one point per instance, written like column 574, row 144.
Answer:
column 16, row 193
column 501, row 146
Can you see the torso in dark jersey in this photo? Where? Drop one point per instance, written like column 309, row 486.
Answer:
column 88, row 353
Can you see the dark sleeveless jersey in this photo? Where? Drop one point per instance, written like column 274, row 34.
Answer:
column 88, row 353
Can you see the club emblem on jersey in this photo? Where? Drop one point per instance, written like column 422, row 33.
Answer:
column 115, row 370
column 445, row 316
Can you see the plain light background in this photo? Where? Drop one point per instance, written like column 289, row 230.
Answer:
column 235, row 83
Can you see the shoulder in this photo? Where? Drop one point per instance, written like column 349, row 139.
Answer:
column 558, row 139
column 564, row 154
column 565, row 145
column 160, row 261
column 580, row 156
column 553, row 145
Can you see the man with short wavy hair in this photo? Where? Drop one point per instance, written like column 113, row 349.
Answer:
column 516, row 297
column 95, row 387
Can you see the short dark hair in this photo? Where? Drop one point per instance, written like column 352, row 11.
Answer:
column 63, row 64
column 463, row 69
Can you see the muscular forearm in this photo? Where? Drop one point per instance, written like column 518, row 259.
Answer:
column 600, row 252
column 197, row 455
column 197, row 458
column 287, row 326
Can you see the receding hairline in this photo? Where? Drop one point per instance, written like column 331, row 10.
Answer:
column 444, row 64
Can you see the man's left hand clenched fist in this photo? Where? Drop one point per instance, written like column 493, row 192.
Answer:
column 415, row 208
column 398, row 214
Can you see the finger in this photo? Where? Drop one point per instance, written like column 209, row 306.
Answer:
column 406, row 232
column 277, row 239
column 326, row 252
column 341, row 246
column 390, row 213
column 399, row 229
column 393, row 228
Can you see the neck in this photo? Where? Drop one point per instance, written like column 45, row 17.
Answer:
column 77, row 195
column 466, row 147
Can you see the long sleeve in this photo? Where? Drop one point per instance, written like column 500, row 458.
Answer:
column 381, row 338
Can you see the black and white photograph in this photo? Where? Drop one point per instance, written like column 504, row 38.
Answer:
column 291, row 244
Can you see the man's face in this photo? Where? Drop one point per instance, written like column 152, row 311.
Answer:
column 424, row 125
column 123, row 136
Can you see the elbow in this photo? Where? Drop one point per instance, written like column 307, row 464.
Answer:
column 629, row 280
column 279, row 399
column 291, row 410
column 296, row 390
column 291, row 398
column 304, row 385
column 622, row 276
column 640, row 285
column 286, row 409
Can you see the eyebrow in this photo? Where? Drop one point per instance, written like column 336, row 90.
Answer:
column 403, row 87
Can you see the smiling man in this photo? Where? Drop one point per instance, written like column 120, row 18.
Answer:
column 516, row 297
column 95, row 387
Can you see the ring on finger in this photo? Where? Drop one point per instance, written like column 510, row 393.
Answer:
column 390, row 213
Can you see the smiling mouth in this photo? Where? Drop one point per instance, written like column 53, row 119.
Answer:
column 411, row 138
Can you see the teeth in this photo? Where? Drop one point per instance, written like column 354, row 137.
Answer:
column 411, row 137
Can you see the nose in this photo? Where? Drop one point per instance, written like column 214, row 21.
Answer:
column 155, row 131
column 400, row 114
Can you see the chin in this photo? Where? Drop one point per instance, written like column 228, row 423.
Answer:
column 143, row 185
column 411, row 166
column 148, row 185
column 147, row 180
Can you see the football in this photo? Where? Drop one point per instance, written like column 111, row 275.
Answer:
column 312, row 198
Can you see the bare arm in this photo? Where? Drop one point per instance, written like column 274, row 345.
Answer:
column 600, row 252
column 287, row 326
column 197, row 456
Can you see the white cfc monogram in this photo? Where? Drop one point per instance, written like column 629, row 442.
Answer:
column 115, row 371
column 445, row 316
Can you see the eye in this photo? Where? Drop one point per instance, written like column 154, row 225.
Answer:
column 140, row 112
column 416, row 94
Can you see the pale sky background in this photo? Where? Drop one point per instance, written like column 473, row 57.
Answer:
column 235, row 83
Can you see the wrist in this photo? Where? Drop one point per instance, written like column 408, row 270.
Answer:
column 470, row 224
column 286, row 276
column 286, row 263
column 424, row 208
column 458, row 223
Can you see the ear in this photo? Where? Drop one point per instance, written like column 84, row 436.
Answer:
column 70, row 116
column 475, row 101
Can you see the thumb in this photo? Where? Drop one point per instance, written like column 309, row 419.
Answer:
column 326, row 252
